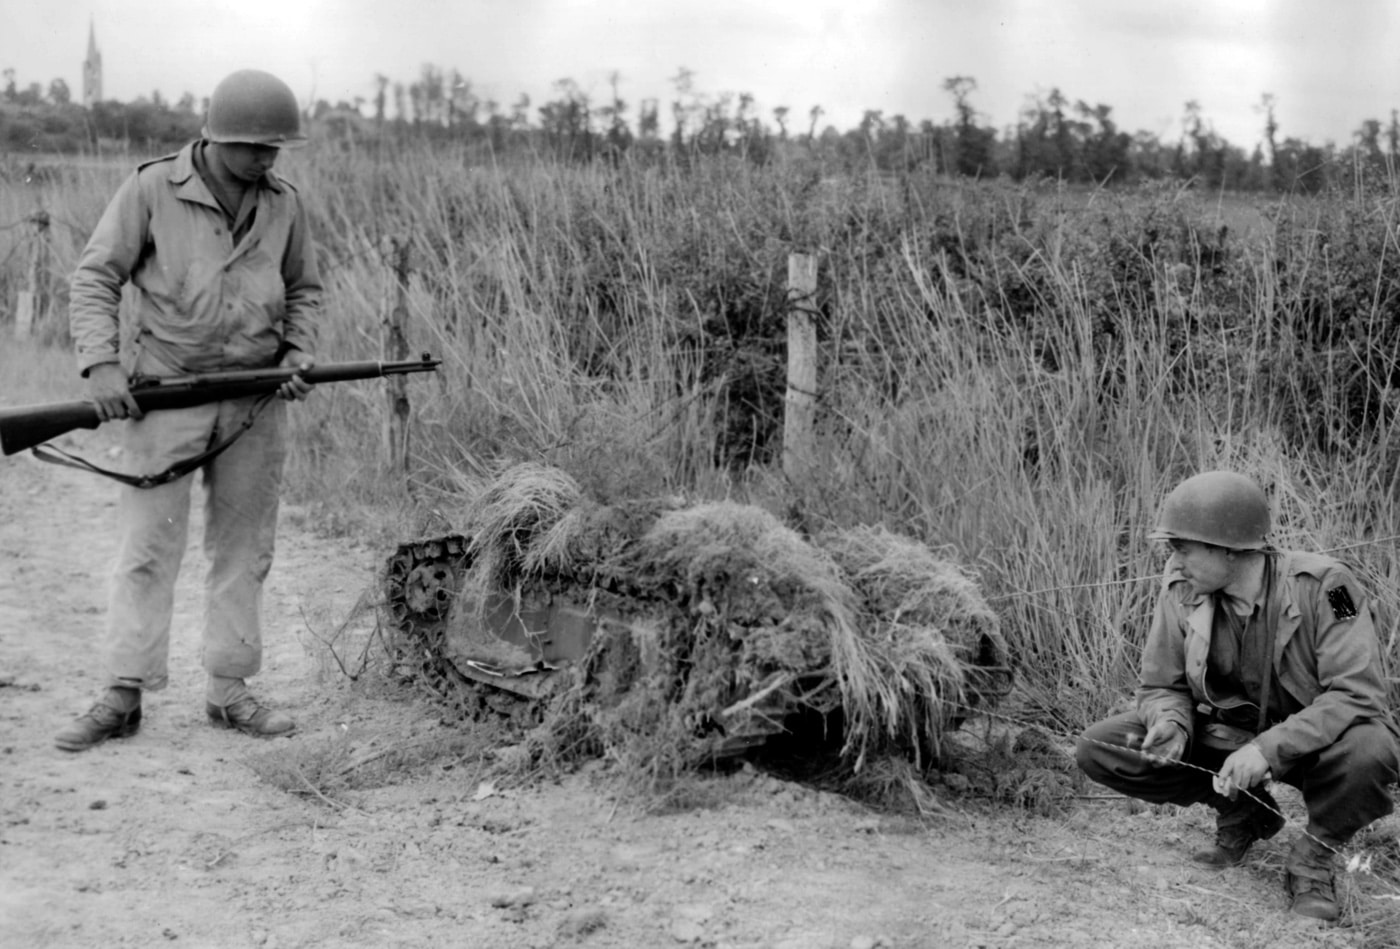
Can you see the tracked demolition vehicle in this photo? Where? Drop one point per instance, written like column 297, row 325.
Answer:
column 524, row 651
column 709, row 630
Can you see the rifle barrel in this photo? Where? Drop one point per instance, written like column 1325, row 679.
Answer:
column 330, row 372
column 29, row 425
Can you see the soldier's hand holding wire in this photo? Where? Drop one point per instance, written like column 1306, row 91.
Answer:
column 1243, row 769
column 1164, row 743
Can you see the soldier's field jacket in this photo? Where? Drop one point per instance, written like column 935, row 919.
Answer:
column 1326, row 657
column 202, row 302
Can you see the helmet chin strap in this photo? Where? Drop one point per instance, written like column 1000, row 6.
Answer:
column 1271, row 615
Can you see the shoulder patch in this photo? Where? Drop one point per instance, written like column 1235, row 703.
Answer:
column 1343, row 607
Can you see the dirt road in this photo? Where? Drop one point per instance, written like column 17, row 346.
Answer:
column 173, row 837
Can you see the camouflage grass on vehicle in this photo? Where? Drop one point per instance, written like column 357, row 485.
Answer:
column 714, row 630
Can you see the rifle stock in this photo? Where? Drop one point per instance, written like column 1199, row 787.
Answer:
column 29, row 425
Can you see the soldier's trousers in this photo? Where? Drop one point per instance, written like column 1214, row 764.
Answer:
column 240, row 518
column 1344, row 784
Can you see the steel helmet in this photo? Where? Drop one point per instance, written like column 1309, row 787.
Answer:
column 1216, row 507
column 256, row 108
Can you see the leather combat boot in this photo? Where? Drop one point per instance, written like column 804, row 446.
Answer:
column 1238, row 825
column 1308, row 876
column 116, row 715
column 251, row 717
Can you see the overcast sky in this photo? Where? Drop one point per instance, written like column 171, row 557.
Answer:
column 1330, row 64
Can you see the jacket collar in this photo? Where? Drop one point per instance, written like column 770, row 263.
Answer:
column 185, row 176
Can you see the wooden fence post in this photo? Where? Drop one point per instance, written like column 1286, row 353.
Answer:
column 394, row 346
column 32, row 304
column 800, row 403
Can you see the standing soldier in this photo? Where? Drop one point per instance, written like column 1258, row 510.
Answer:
column 1260, row 664
column 219, row 253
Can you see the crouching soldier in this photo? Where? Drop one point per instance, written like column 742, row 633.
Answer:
column 1260, row 665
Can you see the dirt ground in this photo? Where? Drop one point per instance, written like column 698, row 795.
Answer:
column 174, row 837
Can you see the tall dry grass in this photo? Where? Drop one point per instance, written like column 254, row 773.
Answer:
column 1015, row 374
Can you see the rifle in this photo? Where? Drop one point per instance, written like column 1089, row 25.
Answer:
column 31, row 425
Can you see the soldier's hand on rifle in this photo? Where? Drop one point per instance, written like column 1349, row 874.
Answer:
column 110, row 393
column 296, row 388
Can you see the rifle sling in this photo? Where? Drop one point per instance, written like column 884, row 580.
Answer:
column 57, row 456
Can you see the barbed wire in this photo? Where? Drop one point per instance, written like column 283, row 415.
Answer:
column 1361, row 543
column 1015, row 594
column 1215, row 776
column 1074, row 586
column 29, row 219
column 10, row 256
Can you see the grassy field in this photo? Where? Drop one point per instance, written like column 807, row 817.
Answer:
column 1015, row 373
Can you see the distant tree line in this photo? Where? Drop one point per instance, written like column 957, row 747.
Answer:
column 36, row 120
column 1053, row 136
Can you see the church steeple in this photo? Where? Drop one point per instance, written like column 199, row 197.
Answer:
column 92, row 69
